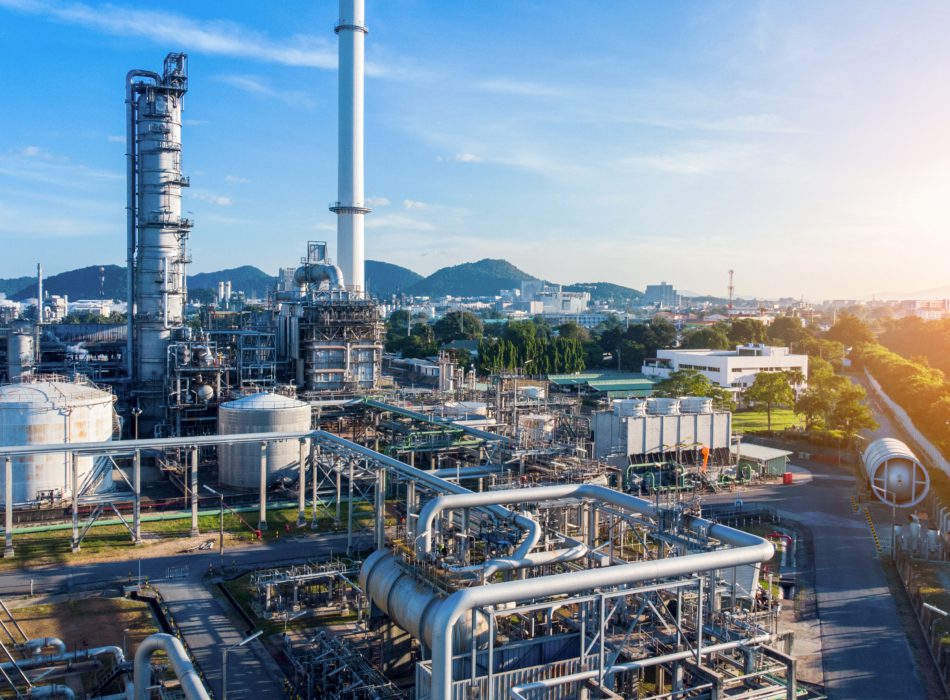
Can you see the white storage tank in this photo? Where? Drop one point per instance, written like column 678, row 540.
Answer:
column 538, row 427
column 49, row 412
column 896, row 476
column 663, row 407
column 239, row 465
column 696, row 404
column 626, row 408
column 465, row 409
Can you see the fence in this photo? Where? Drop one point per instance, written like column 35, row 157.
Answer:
column 934, row 455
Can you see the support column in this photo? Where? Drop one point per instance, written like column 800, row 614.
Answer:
column 74, row 464
column 137, row 503
column 302, row 485
column 410, row 511
column 380, row 509
column 791, row 683
column 194, row 492
column 313, row 479
column 8, row 507
column 338, row 468
column 349, row 513
column 262, row 516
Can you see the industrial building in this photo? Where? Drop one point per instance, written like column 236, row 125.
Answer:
column 661, row 296
column 729, row 369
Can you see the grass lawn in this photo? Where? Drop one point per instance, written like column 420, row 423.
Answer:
column 749, row 421
column 114, row 541
column 95, row 621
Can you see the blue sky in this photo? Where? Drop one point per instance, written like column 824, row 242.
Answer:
column 803, row 144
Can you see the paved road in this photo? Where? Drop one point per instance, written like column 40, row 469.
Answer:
column 865, row 652
column 201, row 617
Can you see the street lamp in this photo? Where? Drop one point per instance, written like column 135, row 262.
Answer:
column 224, row 661
column 937, row 611
column 220, row 524
column 288, row 618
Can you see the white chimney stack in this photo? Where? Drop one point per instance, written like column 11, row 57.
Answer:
column 350, row 207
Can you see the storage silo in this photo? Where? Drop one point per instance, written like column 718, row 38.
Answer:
column 240, row 465
column 45, row 412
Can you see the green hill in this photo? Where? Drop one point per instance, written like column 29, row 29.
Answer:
column 252, row 281
column 11, row 286
column 83, row 283
column 617, row 296
column 384, row 279
column 483, row 278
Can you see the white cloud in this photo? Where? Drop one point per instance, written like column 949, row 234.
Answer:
column 219, row 37
column 212, row 198
column 518, row 87
column 397, row 221
column 377, row 201
column 256, row 85
column 413, row 204
column 236, row 180
column 35, row 152
column 467, row 158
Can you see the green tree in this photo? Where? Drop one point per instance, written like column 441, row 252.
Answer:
column 851, row 413
column 850, row 331
column 458, row 325
column 711, row 338
column 771, row 389
column 786, row 330
column 747, row 330
column 572, row 329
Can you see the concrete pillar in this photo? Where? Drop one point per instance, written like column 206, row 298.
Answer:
column 313, row 486
column 74, row 463
column 302, row 485
column 194, row 492
column 262, row 517
column 8, row 507
column 380, row 508
column 339, row 487
column 349, row 512
column 137, row 503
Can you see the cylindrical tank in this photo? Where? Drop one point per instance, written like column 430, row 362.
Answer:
column 463, row 409
column 626, row 408
column 696, row 404
column 44, row 412
column 895, row 474
column 663, row 407
column 240, row 465
column 411, row 603
column 20, row 351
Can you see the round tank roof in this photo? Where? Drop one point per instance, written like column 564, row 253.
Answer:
column 44, row 393
column 263, row 402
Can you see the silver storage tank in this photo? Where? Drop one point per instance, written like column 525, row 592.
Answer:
column 895, row 474
column 696, row 404
column 240, row 465
column 20, row 351
column 44, row 412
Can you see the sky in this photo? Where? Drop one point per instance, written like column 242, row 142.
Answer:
column 805, row 145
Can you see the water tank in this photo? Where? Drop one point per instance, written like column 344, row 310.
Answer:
column 895, row 474
column 44, row 412
column 20, row 351
column 626, row 408
column 240, row 464
column 663, row 407
column 696, row 404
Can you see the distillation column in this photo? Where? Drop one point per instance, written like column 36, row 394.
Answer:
column 350, row 206
column 158, row 233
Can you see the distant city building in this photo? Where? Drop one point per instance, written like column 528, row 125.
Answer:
column 531, row 288
column 662, row 295
column 730, row 369
column 558, row 302
column 927, row 309
column 586, row 319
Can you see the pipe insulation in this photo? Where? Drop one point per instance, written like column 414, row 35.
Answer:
column 185, row 672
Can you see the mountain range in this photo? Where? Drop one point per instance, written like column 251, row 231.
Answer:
column 482, row 278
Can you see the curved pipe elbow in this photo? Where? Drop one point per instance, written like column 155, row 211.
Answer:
column 185, row 671
column 53, row 691
column 319, row 273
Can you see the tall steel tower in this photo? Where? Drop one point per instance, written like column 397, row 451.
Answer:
column 350, row 206
column 156, row 231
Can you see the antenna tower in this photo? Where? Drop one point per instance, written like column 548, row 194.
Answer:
column 732, row 289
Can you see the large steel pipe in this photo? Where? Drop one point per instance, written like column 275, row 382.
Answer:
column 185, row 672
column 895, row 474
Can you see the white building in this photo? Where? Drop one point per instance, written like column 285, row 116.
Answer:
column 730, row 369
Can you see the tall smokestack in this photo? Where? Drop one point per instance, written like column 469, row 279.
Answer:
column 349, row 206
